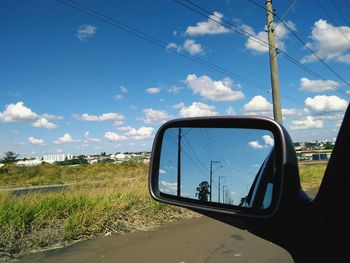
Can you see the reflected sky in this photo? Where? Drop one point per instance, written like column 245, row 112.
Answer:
column 233, row 155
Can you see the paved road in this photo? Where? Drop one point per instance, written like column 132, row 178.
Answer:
column 196, row 240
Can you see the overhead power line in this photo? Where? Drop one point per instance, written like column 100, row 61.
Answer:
column 153, row 40
column 340, row 13
column 312, row 52
column 332, row 20
column 209, row 15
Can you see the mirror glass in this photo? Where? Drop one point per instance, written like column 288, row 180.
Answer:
column 230, row 166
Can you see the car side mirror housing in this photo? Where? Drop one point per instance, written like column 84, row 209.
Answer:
column 225, row 165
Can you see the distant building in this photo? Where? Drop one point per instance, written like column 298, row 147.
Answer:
column 60, row 157
column 32, row 162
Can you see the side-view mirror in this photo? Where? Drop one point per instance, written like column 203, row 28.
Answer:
column 229, row 165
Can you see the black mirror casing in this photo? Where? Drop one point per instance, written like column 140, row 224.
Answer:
column 284, row 157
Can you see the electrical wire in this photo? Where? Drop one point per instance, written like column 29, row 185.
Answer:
column 245, row 33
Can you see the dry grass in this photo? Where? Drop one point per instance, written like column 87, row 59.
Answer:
column 117, row 203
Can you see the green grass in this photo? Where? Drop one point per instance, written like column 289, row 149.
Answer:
column 117, row 203
column 105, row 199
column 311, row 175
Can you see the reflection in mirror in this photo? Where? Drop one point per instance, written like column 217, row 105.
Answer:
column 218, row 165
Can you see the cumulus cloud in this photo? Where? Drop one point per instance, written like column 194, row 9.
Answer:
column 114, row 137
column 167, row 187
column 155, row 116
column 257, row 42
column 86, row 31
column 317, row 85
column 258, row 105
column 255, row 144
column 210, row 27
column 35, row 141
column 329, row 43
column 190, row 46
column 123, row 89
column 44, row 123
column 89, row 139
column 220, row 90
column 308, row 123
column 196, row 109
column 322, row 104
column 17, row 113
column 66, row 138
column 141, row 133
column 268, row 142
column 153, row 90
column 110, row 116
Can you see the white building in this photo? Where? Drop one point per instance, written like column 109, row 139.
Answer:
column 32, row 162
column 59, row 157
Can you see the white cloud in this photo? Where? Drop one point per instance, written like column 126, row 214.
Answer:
column 190, row 46
column 161, row 171
column 258, row 42
column 308, row 123
column 220, row 90
column 123, row 89
column 169, row 188
column 230, row 111
column 258, row 105
column 17, row 113
column 174, row 89
column 118, row 97
column 153, row 90
column 317, row 85
column 89, row 139
column 66, row 138
column 210, row 27
column 197, row 109
column 268, row 140
column 35, row 141
column 255, row 145
column 329, row 43
column 141, row 133
column 86, row 31
column 115, row 137
column 44, row 123
column 110, row 116
column 154, row 116
column 326, row 104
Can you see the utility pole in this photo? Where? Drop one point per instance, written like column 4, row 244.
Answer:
column 277, row 111
column 223, row 193
column 179, row 164
column 211, row 177
column 220, row 177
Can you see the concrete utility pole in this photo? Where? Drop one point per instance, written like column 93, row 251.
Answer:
column 211, row 178
column 277, row 111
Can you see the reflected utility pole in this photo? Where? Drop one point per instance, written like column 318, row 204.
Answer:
column 179, row 164
column 220, row 177
column 223, row 193
column 211, row 177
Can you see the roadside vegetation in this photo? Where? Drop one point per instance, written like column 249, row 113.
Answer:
column 311, row 175
column 102, row 199
column 105, row 199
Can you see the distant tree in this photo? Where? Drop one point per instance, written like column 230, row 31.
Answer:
column 203, row 191
column 10, row 157
column 103, row 154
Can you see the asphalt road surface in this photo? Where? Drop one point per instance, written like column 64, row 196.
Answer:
column 196, row 240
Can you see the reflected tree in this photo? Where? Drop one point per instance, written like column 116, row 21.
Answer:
column 203, row 191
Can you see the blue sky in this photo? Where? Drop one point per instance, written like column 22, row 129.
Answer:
column 72, row 83
column 229, row 148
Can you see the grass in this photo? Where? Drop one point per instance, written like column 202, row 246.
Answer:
column 311, row 175
column 117, row 202
column 104, row 199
